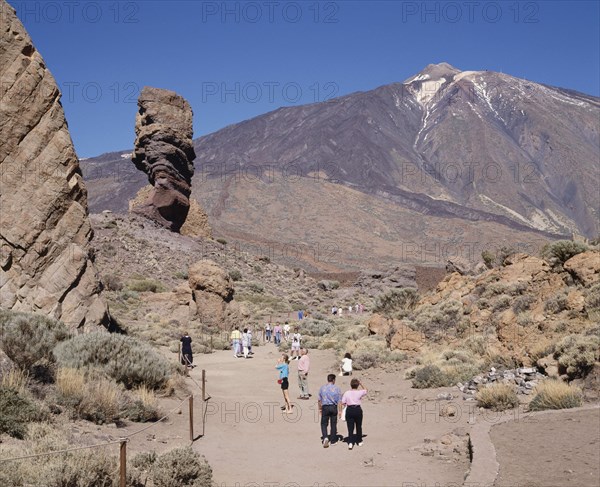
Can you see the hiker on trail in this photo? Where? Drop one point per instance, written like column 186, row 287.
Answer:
column 300, row 315
column 330, row 409
column 284, row 371
column 245, row 342
column 346, row 367
column 334, row 310
column 354, row 413
column 357, row 307
column 303, row 367
column 296, row 339
column 286, row 331
column 277, row 331
column 350, row 309
column 250, row 352
column 268, row 332
column 236, row 342
column 186, row 350
column 340, row 311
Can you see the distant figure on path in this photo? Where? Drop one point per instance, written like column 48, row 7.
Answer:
column 303, row 368
column 346, row 367
column 286, row 331
column 268, row 332
column 340, row 311
column 277, row 331
column 300, row 314
column 354, row 413
column 246, row 343
column 186, row 350
column 236, row 342
column 330, row 409
column 284, row 372
column 350, row 309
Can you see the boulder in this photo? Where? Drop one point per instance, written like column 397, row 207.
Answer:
column 165, row 152
column 585, row 267
column 378, row 325
column 45, row 242
column 206, row 276
column 406, row 339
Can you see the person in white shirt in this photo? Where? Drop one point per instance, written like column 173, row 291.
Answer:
column 346, row 367
column 286, row 331
column 296, row 339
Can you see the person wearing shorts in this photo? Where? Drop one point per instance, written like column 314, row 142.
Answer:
column 284, row 372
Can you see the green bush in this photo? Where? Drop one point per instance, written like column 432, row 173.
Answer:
column 592, row 302
column 17, row 411
column 557, row 253
column 576, row 354
column 28, row 339
column 502, row 302
column 125, row 359
column 222, row 241
column 316, row 328
column 235, row 275
column 181, row 275
column 145, row 285
column 396, row 301
column 430, row 376
column 256, row 287
column 365, row 360
column 112, row 282
column 434, row 320
column 181, row 467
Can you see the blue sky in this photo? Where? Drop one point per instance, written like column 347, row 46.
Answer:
column 235, row 60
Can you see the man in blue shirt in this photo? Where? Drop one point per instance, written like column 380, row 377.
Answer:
column 330, row 408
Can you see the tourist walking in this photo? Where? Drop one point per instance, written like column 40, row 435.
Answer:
column 346, row 367
column 330, row 409
column 268, row 332
column 286, row 331
column 250, row 352
column 284, row 372
column 354, row 413
column 186, row 350
column 277, row 331
column 303, row 368
column 236, row 342
column 245, row 343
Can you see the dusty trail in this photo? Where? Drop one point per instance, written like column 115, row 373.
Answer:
column 250, row 442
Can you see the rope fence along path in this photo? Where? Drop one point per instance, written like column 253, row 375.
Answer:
column 123, row 440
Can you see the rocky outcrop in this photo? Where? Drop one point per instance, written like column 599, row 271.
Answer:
column 44, row 227
column 212, row 292
column 398, row 334
column 164, row 151
column 585, row 266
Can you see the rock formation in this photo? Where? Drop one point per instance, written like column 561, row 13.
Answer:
column 164, row 151
column 45, row 233
column 212, row 292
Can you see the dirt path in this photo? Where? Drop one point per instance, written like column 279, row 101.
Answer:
column 557, row 449
column 250, row 442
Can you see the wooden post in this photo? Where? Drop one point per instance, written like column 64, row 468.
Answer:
column 123, row 466
column 191, row 404
column 203, row 385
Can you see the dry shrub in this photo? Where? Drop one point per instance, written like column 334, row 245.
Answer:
column 144, row 407
column 577, row 354
column 15, row 379
column 181, row 467
column 498, row 397
column 17, row 410
column 71, row 384
column 445, row 369
column 554, row 394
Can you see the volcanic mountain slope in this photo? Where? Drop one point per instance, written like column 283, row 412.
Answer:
column 448, row 149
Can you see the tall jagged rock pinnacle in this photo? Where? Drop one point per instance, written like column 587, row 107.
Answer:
column 45, row 263
column 164, row 151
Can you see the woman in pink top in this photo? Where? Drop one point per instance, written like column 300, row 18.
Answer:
column 354, row 415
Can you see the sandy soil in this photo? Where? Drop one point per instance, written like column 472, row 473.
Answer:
column 250, row 442
column 561, row 449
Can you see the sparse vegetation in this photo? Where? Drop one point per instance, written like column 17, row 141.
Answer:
column 235, row 275
column 557, row 303
column 112, row 282
column 576, row 354
column 125, row 359
column 17, row 412
column 440, row 319
column 145, row 286
column 554, row 394
column 28, row 340
column 222, row 241
column 181, row 467
column 557, row 253
column 498, row 397
column 396, row 301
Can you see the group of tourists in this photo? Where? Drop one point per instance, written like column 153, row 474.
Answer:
column 241, row 342
column 333, row 405
column 339, row 310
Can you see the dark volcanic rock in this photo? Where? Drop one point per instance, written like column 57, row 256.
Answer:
column 164, row 151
